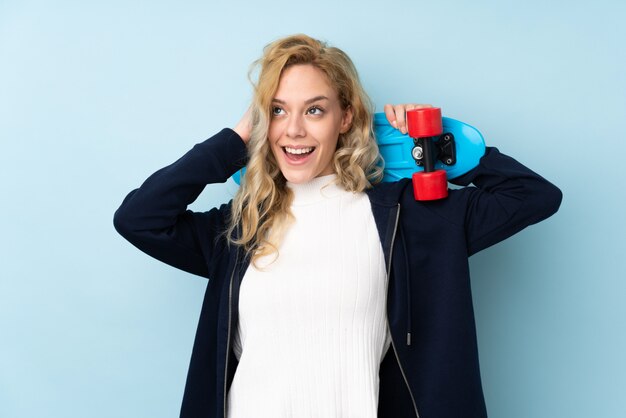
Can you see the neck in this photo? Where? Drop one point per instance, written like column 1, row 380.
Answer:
column 316, row 190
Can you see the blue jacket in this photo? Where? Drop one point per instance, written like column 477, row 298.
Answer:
column 431, row 369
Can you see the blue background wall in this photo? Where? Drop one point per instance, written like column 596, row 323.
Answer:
column 94, row 98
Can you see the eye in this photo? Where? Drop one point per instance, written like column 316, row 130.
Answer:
column 315, row 110
column 276, row 111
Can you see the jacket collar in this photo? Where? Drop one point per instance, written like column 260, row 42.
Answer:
column 388, row 193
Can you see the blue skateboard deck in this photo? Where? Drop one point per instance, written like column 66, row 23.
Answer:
column 396, row 149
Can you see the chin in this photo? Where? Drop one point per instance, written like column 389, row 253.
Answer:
column 298, row 178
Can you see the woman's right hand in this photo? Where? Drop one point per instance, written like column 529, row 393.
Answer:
column 396, row 114
column 244, row 127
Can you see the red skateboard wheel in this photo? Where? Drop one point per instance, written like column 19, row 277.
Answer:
column 424, row 123
column 430, row 186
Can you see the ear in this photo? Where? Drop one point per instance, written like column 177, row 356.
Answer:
column 346, row 120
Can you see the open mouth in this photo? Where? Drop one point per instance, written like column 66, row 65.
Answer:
column 298, row 154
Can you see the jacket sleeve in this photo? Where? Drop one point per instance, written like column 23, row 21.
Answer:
column 155, row 218
column 507, row 198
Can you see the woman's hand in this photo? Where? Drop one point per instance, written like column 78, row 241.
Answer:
column 244, row 127
column 396, row 114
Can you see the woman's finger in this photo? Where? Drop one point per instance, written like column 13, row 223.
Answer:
column 396, row 114
column 391, row 115
column 412, row 106
column 400, row 111
column 244, row 127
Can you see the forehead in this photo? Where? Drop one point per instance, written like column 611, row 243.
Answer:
column 302, row 82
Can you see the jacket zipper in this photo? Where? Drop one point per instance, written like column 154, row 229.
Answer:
column 230, row 297
column 393, row 345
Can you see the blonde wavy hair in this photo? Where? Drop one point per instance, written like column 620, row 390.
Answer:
column 261, row 207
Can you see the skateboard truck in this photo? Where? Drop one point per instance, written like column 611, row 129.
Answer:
column 445, row 150
column 425, row 127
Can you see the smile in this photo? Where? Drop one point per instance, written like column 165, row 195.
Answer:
column 298, row 155
column 298, row 151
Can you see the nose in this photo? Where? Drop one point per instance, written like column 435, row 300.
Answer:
column 295, row 126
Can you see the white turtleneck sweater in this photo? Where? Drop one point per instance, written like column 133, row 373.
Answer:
column 312, row 327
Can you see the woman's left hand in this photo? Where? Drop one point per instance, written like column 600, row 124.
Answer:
column 396, row 114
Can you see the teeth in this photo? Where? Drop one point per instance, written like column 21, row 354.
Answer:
column 299, row 150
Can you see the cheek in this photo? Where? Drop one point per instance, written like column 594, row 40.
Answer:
column 330, row 138
column 274, row 149
column 274, row 131
column 272, row 138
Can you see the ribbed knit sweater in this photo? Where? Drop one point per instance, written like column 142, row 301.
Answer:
column 312, row 327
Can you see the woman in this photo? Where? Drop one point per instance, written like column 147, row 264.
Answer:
column 330, row 294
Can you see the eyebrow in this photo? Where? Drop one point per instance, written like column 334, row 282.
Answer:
column 309, row 101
